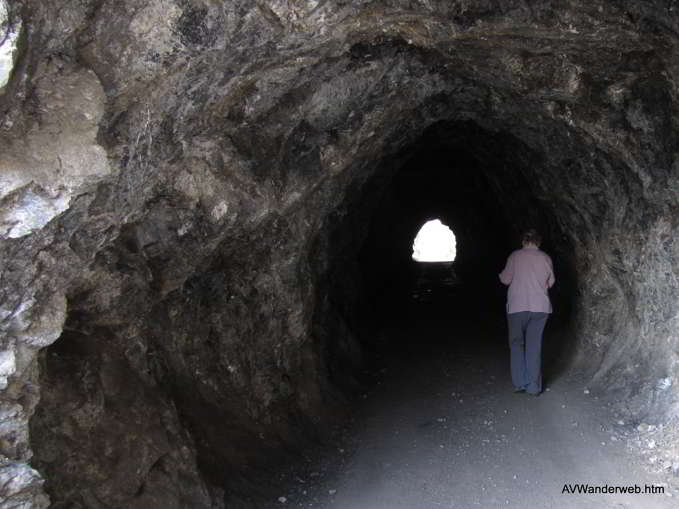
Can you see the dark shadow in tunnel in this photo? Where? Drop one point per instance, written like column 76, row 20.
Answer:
column 477, row 183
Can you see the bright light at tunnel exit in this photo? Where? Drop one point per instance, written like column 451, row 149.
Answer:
column 435, row 242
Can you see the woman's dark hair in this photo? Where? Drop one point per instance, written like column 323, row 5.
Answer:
column 531, row 236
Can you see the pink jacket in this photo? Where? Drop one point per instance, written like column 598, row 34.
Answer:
column 529, row 274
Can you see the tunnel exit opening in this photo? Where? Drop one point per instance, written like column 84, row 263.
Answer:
column 435, row 242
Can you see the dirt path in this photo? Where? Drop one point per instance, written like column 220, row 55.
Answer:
column 444, row 429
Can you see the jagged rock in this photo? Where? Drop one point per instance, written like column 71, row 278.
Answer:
column 185, row 186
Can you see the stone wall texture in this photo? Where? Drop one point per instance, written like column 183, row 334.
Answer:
column 181, row 179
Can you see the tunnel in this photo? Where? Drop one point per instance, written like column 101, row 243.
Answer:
column 208, row 212
column 455, row 172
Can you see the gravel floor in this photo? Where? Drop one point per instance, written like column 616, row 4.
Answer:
column 442, row 428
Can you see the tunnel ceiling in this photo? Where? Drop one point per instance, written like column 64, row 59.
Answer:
column 183, row 180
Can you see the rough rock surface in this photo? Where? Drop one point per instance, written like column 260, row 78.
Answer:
column 184, row 183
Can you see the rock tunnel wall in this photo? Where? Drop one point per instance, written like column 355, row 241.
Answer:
column 182, row 181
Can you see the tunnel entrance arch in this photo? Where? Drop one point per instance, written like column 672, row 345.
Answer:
column 282, row 139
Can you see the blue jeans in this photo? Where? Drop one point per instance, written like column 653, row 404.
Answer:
column 525, row 343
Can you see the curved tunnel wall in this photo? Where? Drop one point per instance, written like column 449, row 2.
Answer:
column 183, row 193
